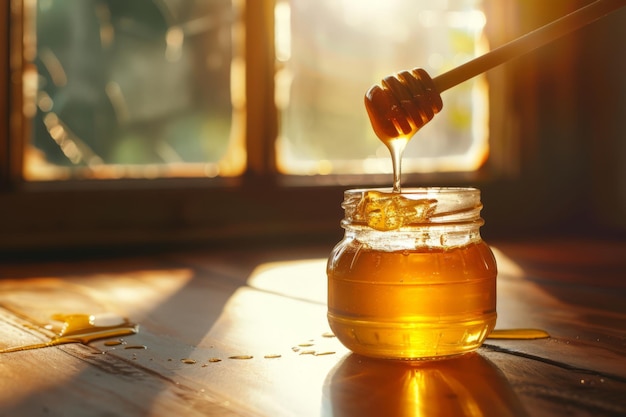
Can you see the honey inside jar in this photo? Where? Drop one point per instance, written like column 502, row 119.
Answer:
column 423, row 285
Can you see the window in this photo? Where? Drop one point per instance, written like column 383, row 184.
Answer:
column 154, row 89
column 227, row 120
column 330, row 52
column 132, row 89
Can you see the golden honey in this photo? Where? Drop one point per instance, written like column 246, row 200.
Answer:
column 398, row 108
column 402, row 104
column 412, row 278
column 85, row 328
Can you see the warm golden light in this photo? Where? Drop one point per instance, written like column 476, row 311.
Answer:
column 303, row 279
column 506, row 265
column 338, row 49
column 282, row 19
column 466, row 386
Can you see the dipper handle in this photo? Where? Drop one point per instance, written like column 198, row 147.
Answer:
column 527, row 43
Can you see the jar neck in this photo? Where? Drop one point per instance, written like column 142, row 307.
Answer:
column 415, row 237
column 417, row 217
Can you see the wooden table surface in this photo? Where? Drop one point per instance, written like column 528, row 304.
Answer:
column 244, row 333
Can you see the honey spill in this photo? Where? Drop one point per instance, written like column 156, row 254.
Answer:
column 136, row 347
column 241, row 357
column 84, row 329
column 214, row 360
column 272, row 356
column 188, row 361
column 518, row 334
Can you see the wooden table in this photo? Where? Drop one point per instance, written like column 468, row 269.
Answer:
column 244, row 333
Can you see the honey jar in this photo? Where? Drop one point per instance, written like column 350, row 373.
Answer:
column 412, row 277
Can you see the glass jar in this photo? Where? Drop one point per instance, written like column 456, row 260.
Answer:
column 412, row 277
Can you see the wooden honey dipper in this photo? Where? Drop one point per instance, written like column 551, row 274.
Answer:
column 406, row 101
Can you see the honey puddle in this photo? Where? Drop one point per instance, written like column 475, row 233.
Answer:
column 84, row 328
column 518, row 334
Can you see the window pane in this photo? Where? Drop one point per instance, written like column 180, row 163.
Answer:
column 140, row 88
column 330, row 52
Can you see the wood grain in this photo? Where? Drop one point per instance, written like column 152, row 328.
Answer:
column 198, row 310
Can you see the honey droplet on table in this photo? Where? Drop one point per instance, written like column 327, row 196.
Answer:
column 241, row 357
column 329, row 352
column 188, row 361
column 273, row 356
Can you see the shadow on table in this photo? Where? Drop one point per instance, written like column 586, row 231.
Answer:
column 469, row 385
column 175, row 306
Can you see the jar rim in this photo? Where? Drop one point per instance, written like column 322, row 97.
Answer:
column 418, row 191
column 385, row 210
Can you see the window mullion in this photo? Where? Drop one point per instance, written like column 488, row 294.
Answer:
column 261, row 119
column 14, row 133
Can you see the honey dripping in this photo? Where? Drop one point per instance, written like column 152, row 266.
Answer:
column 84, row 328
column 398, row 108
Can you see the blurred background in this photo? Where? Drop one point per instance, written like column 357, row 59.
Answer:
column 161, row 122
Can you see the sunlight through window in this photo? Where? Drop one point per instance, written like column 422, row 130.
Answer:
column 139, row 89
column 337, row 50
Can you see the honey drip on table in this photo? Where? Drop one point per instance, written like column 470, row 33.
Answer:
column 83, row 328
column 518, row 334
